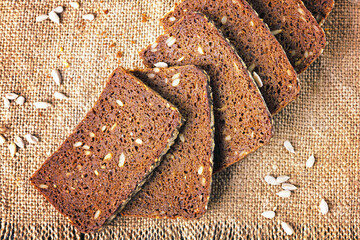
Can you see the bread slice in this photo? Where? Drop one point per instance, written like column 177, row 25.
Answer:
column 319, row 8
column 297, row 30
column 110, row 154
column 180, row 186
column 242, row 120
column 255, row 44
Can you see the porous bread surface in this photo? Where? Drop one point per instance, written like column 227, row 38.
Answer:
column 110, row 152
column 319, row 8
column 180, row 186
column 301, row 36
column 242, row 120
column 254, row 43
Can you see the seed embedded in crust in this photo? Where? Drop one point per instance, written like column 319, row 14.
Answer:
column 289, row 146
column 251, row 67
column 287, row 228
column 324, row 208
column 41, row 18
column 224, row 19
column 301, row 11
column 228, row 138
column 108, row 156
column 20, row 100
column 151, row 75
column 97, row 214
column 252, row 23
column 310, row 162
column 103, row 128
column 54, row 17
column 276, row 32
column 200, row 170
column 96, row 172
column 78, row 144
column 139, row 141
column 181, row 137
column 122, row 160
column 268, row 214
column 43, row 186
column 257, row 79
column 175, row 76
column 200, row 50
column 172, row 19
column 289, row 72
column 161, row 65
column 120, row 103
column 12, row 148
column 87, row 147
column 19, row 142
column 42, row 105
column 156, row 70
column 92, row 135
column 180, row 59
column 88, row 17
column 175, row 82
column 87, row 153
column 170, row 41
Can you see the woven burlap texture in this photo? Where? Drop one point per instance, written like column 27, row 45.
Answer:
column 323, row 121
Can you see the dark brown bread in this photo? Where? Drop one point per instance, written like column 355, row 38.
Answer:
column 107, row 158
column 255, row 44
column 242, row 120
column 301, row 36
column 319, row 8
column 180, row 186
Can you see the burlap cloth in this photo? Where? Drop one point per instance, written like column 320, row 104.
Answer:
column 323, row 121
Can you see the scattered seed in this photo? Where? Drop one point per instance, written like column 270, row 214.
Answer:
column 42, row 105
column 41, row 18
column 103, row 128
column 200, row 170
column 170, row 41
column 54, row 17
column 89, row 17
column 161, row 65
column 120, row 103
column 108, row 156
column 268, row 214
column 58, row 9
column 172, row 19
column 113, row 127
column 92, row 135
column 86, row 147
column 289, row 147
column 282, row 179
column 156, row 70
column 78, row 144
column 74, row 5
column 310, row 162
column 180, row 59
column 31, row 139
column 200, row 50
column 301, row 11
column 175, row 82
column 271, row 180
column 43, row 186
column 257, row 79
column 2, row 139
column 11, row 96
column 56, row 76
column 181, row 137
column 97, row 214
column 96, row 172
column 60, row 96
column 287, row 228
column 224, row 19
column 122, row 160
column 6, row 102
column 151, row 75
column 3, row 129
column 284, row 194
column 276, row 32
column 252, row 23
column 251, row 67
column 139, row 141
column 20, row 100
column 228, row 138
column 288, row 186
column 19, row 142
column 324, row 208
column 12, row 148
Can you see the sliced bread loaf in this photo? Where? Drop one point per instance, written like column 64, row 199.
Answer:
column 102, row 164
column 255, row 44
column 319, row 8
column 180, row 186
column 242, row 120
column 297, row 30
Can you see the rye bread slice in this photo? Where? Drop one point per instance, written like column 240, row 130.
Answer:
column 111, row 152
column 300, row 35
column 255, row 44
column 242, row 120
column 180, row 186
column 319, row 8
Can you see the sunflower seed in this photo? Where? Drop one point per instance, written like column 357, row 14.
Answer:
column 175, row 82
column 276, row 32
column 139, row 141
column 60, row 96
column 54, row 17
column 282, row 179
column 19, row 142
column 200, row 50
column 31, row 139
column 120, row 103
column 59, row 9
column 324, row 208
column 270, row 180
column 42, row 105
column 89, row 17
column 257, row 79
column 289, row 147
column 78, row 144
column 108, row 157
column 2, row 139
column 56, row 76
column 97, row 214
column 287, row 228
column 175, row 76
column 284, row 194
column 161, row 65
column 42, row 18
column 74, row 5
column 288, row 186
column 268, row 214
column 122, row 160
column 12, row 148
column 11, row 96
column 6, row 102
column 170, row 41
column 151, row 75
column 43, row 186
column 251, row 67
column 310, row 162
column 172, row 19
column 20, row 100
column 224, row 19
